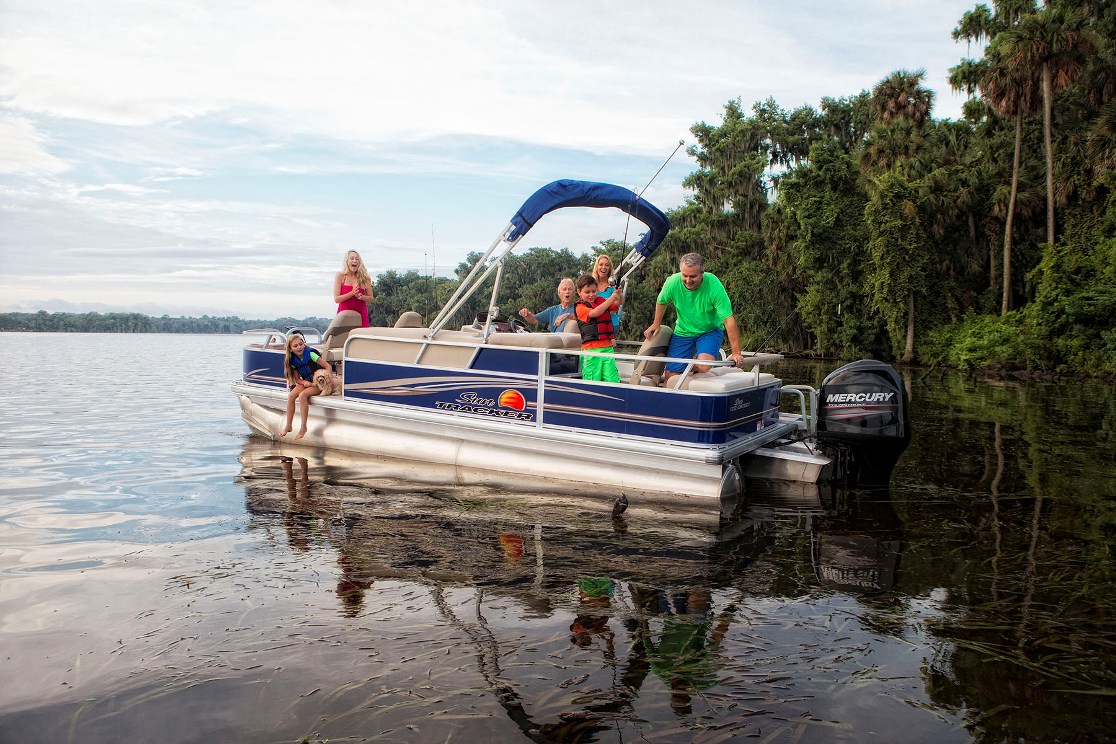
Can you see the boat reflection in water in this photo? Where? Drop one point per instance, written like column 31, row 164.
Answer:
column 646, row 599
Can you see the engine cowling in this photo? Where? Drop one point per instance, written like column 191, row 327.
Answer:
column 863, row 410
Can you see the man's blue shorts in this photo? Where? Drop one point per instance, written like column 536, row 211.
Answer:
column 688, row 347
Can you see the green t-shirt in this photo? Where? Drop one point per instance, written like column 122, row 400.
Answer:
column 700, row 310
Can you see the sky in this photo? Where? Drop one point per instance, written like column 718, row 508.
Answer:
column 187, row 158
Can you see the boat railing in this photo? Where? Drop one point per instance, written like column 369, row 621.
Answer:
column 547, row 347
column 275, row 338
column 312, row 335
column 807, row 406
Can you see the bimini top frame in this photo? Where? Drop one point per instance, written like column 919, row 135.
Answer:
column 555, row 195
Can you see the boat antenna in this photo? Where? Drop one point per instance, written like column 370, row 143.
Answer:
column 433, row 266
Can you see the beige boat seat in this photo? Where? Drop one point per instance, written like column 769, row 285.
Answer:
column 397, row 345
column 720, row 380
column 646, row 371
column 533, row 340
column 333, row 340
column 409, row 319
column 570, row 335
column 338, row 329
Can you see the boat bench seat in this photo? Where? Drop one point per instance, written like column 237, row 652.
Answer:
column 625, row 367
column 532, row 340
column 569, row 340
column 718, row 381
column 334, row 356
column 384, row 348
column 415, row 332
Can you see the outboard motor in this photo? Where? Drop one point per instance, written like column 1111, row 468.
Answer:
column 863, row 410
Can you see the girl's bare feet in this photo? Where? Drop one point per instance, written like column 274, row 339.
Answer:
column 286, row 431
column 300, row 435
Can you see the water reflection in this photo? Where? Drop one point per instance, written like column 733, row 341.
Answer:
column 141, row 600
column 649, row 605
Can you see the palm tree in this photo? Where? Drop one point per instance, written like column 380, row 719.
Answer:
column 901, row 108
column 1009, row 91
column 900, row 95
column 1101, row 143
column 1055, row 42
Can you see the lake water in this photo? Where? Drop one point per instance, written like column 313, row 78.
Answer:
column 165, row 577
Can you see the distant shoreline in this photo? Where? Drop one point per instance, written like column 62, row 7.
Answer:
column 44, row 322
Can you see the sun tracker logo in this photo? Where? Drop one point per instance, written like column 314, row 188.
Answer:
column 473, row 403
column 512, row 399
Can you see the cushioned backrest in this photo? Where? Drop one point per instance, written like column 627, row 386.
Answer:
column 657, row 345
column 338, row 329
column 409, row 319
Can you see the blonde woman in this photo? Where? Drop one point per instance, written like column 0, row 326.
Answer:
column 602, row 272
column 352, row 287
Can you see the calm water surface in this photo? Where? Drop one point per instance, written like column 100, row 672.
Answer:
column 165, row 577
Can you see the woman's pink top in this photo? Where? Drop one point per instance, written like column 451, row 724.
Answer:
column 354, row 304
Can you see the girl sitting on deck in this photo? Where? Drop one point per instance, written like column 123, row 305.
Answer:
column 300, row 364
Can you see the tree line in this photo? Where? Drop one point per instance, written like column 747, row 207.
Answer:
column 868, row 228
column 43, row 321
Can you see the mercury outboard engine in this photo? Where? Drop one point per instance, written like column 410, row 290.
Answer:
column 863, row 411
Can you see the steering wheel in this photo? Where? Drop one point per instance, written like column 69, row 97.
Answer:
column 516, row 324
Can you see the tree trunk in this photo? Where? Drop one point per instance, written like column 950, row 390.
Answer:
column 908, row 353
column 1047, row 125
column 1005, row 307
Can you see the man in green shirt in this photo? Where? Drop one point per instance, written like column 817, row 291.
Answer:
column 704, row 316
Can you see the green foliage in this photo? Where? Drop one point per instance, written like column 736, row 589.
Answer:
column 897, row 267
column 397, row 293
column 826, row 201
column 979, row 341
column 1075, row 296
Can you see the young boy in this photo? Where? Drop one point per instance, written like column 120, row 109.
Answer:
column 596, row 328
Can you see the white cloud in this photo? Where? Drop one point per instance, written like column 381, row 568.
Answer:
column 586, row 75
column 222, row 156
column 23, row 149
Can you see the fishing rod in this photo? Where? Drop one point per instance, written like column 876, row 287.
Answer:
column 648, row 185
column 614, row 278
column 771, row 335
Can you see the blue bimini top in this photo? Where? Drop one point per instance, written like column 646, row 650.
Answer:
column 567, row 193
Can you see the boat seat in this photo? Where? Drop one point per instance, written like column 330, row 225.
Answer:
column 409, row 319
column 339, row 328
column 569, row 340
column 720, row 380
column 533, row 340
column 657, row 345
column 403, row 345
column 570, row 334
column 626, row 366
column 333, row 340
column 411, row 332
